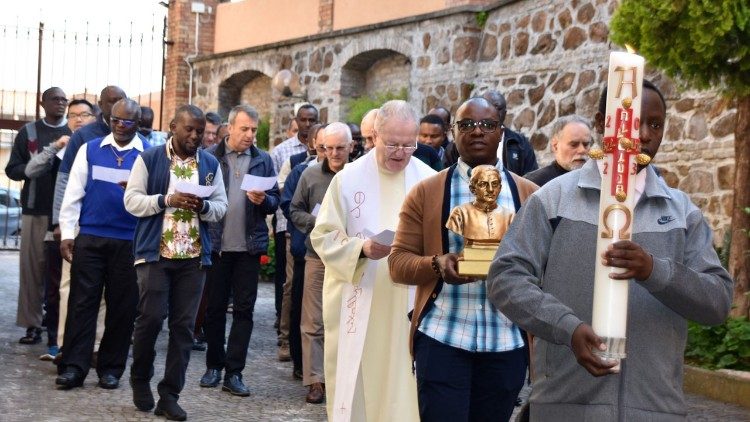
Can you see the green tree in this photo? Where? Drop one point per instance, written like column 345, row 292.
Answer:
column 703, row 44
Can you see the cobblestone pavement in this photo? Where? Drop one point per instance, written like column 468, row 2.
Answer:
column 27, row 391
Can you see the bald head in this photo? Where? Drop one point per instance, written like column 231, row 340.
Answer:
column 367, row 127
column 498, row 101
column 109, row 96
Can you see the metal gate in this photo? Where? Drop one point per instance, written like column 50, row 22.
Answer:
column 80, row 58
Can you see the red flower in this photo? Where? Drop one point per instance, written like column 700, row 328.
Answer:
column 264, row 259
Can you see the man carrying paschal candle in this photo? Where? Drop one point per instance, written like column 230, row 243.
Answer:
column 677, row 275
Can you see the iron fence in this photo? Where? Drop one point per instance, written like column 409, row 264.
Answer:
column 81, row 58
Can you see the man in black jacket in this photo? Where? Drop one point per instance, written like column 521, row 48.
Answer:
column 36, row 205
column 515, row 150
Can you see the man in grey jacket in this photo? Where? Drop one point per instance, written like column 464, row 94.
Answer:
column 543, row 279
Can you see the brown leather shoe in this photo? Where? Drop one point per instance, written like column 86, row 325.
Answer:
column 317, row 394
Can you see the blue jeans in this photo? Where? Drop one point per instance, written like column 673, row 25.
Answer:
column 457, row 385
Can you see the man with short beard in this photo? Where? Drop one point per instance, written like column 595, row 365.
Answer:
column 571, row 140
column 172, row 248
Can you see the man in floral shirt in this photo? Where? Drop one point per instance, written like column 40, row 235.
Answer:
column 172, row 248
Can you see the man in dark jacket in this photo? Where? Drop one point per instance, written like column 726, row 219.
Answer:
column 238, row 240
column 36, row 204
column 172, row 248
column 515, row 150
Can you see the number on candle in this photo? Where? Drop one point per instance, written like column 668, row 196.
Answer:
column 609, row 121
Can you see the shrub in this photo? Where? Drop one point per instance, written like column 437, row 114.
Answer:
column 723, row 346
column 262, row 136
column 359, row 106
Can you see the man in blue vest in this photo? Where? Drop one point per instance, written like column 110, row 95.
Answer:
column 101, row 255
column 174, row 190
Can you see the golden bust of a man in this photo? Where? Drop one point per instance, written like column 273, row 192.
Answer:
column 481, row 222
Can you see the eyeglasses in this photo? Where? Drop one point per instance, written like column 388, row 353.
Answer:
column 84, row 115
column 485, row 125
column 406, row 149
column 125, row 122
column 334, row 149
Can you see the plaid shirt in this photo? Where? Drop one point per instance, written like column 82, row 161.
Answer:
column 281, row 153
column 462, row 316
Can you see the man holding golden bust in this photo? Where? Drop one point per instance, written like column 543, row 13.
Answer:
column 464, row 348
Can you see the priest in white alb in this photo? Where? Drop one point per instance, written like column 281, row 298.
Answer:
column 367, row 362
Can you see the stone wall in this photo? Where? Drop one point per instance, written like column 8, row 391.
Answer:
column 390, row 74
column 549, row 58
column 258, row 93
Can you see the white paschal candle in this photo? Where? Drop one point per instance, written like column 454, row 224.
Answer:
column 617, row 200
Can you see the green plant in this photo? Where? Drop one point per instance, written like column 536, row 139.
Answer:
column 262, row 136
column 268, row 261
column 359, row 106
column 722, row 346
column 481, row 18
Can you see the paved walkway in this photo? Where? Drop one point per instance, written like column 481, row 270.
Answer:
column 27, row 391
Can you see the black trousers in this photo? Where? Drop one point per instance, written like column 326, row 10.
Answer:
column 458, row 385
column 100, row 263
column 236, row 272
column 52, row 289
column 279, row 276
column 169, row 287
column 295, row 314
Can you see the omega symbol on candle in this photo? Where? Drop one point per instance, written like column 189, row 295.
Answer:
column 608, row 232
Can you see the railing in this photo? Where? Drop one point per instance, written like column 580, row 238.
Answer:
column 81, row 58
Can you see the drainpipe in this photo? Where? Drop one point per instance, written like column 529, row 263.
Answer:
column 198, row 8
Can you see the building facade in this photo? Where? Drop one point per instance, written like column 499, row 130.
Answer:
column 549, row 58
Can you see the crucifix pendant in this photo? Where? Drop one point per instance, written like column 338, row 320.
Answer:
column 119, row 161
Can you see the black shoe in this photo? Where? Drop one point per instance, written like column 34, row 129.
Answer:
column 33, row 336
column 109, row 382
column 234, row 385
column 211, row 378
column 143, row 399
column 70, row 378
column 199, row 345
column 297, row 374
column 170, row 410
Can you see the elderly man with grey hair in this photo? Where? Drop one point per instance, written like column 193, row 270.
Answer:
column 571, row 140
column 312, row 187
column 364, row 313
column 237, row 242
